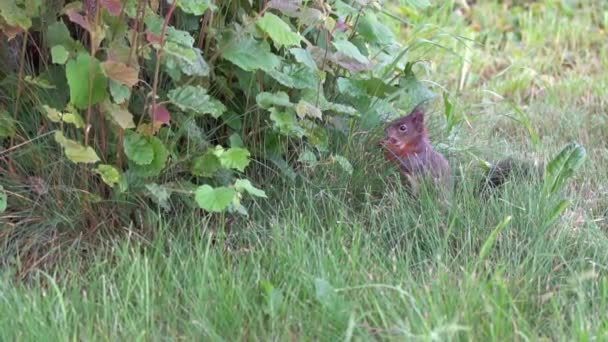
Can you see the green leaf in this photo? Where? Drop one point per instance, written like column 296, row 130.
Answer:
column 56, row 116
column 235, row 140
column 109, row 174
column 158, row 163
column 305, row 57
column 249, row 54
column 305, row 109
column 14, row 15
column 75, row 151
column 563, row 166
column 120, row 116
column 373, row 30
column 556, row 212
column 214, row 200
column 278, row 30
column 195, row 99
column 81, row 73
column 266, row 100
column 308, row 158
column 138, row 148
column 344, row 163
column 285, row 122
column 3, row 199
column 350, row 50
column 242, row 185
column 59, row 34
column 294, row 76
column 196, row 7
column 120, row 92
column 59, row 54
column 233, row 158
column 206, row 165
column 160, row 194
column 7, row 124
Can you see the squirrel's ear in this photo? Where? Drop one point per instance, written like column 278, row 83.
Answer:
column 417, row 116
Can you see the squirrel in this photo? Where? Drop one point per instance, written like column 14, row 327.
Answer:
column 406, row 143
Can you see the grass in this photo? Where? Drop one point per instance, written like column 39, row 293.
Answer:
column 353, row 257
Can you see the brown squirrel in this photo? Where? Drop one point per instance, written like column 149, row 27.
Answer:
column 407, row 144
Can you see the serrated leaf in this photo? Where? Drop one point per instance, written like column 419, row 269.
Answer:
column 234, row 158
column 120, row 92
column 305, row 109
column 373, row 30
column 82, row 72
column 120, row 73
column 160, row 194
column 266, row 100
column 196, row 7
column 294, row 76
column 158, row 163
column 59, row 54
column 242, row 185
column 303, row 56
column 76, row 152
column 285, row 122
column 195, row 99
column 350, row 50
column 109, row 174
column 249, row 54
column 344, row 163
column 278, row 30
column 14, row 15
column 214, row 200
column 120, row 116
column 138, row 148
column 206, row 165
column 563, row 166
column 7, row 124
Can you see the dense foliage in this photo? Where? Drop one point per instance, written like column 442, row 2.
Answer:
column 173, row 98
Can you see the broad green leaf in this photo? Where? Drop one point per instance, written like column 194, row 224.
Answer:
column 294, row 76
column 70, row 117
column 278, row 30
column 233, row 158
column 350, row 50
column 373, row 30
column 305, row 109
column 7, row 124
column 138, row 148
column 235, row 140
column 313, row 96
column 59, row 54
column 76, row 152
column 158, row 163
column 160, row 194
column 318, row 137
column 120, row 116
column 14, row 15
column 196, row 7
column 120, row 92
column 303, row 56
column 556, row 212
column 308, row 158
column 285, row 122
column 411, row 93
column 205, row 165
column 214, row 200
column 3, row 199
column 344, row 163
column 109, row 174
column 195, row 99
column 266, row 100
column 82, row 73
column 249, row 54
column 242, row 185
column 563, row 166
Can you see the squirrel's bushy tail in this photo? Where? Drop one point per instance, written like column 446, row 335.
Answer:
column 500, row 173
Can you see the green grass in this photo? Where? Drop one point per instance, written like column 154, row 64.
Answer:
column 353, row 257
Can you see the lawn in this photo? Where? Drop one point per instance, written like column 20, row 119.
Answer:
column 353, row 257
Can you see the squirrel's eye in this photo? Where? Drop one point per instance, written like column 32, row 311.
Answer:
column 403, row 128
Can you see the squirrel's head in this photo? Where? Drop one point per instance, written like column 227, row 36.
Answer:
column 405, row 130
